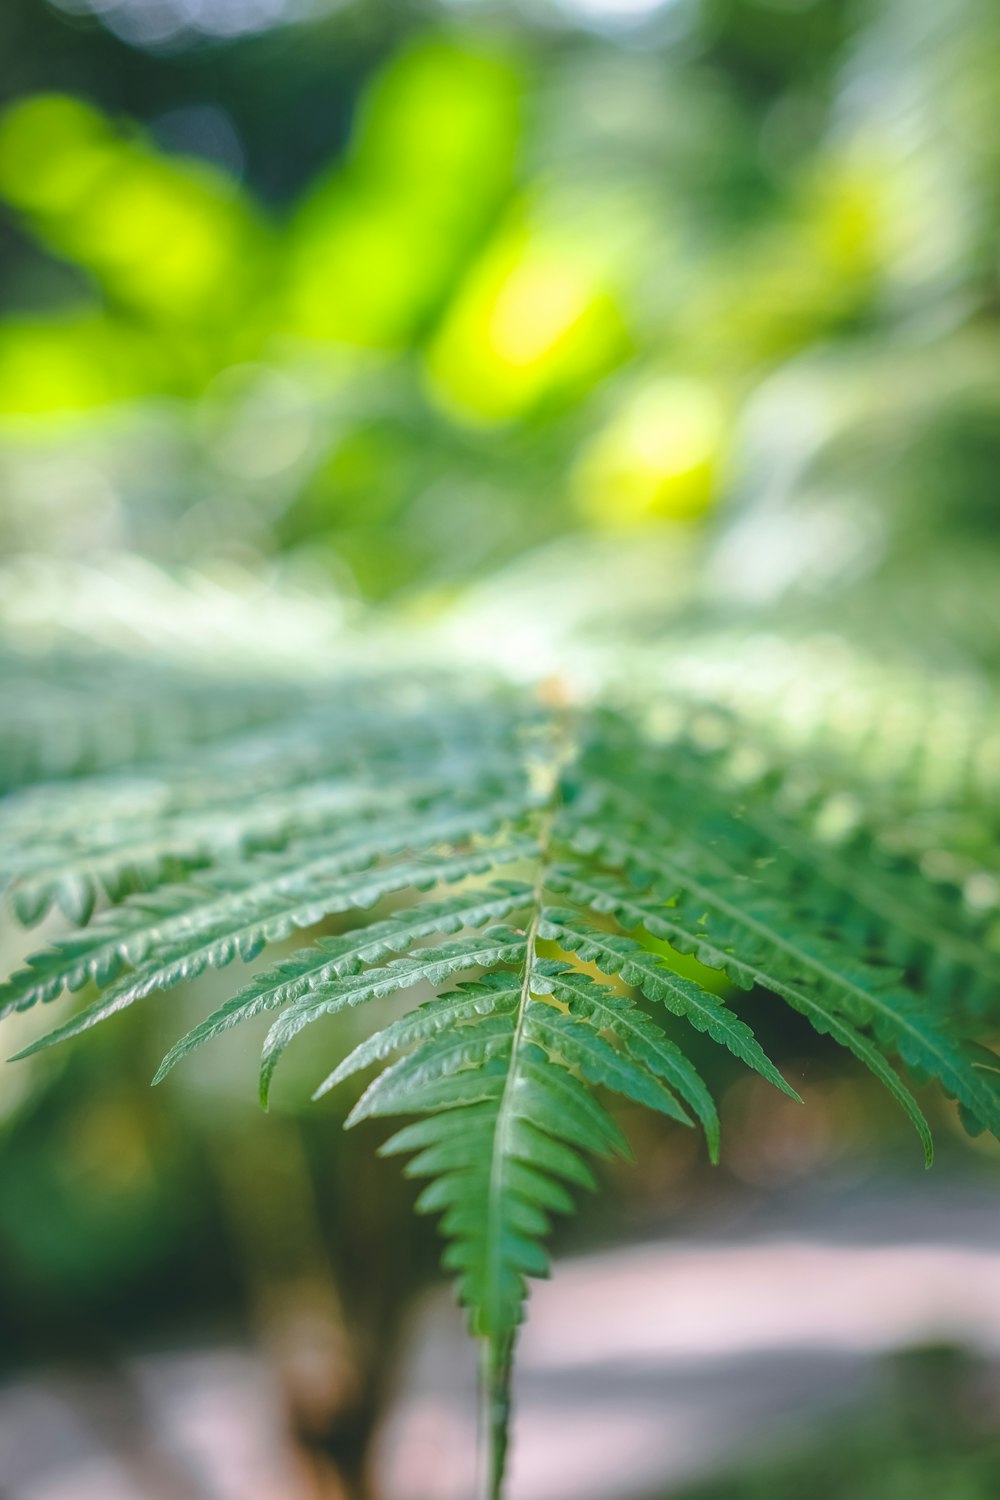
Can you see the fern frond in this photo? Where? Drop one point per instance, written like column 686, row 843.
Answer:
column 617, row 954
column 645, row 1042
column 881, row 901
column 495, row 946
column 584, row 1050
column 74, row 714
column 656, row 916
column 331, row 958
column 502, row 825
column 123, row 847
column 238, row 924
column 472, row 998
column 240, row 897
column 509, row 1120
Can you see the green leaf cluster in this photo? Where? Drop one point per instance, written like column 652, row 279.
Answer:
column 530, row 876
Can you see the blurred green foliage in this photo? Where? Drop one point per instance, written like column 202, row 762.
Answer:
column 490, row 277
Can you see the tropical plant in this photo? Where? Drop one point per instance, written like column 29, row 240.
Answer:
column 575, row 880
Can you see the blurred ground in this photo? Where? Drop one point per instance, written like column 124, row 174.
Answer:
column 641, row 1369
column 645, row 1368
column 201, row 1426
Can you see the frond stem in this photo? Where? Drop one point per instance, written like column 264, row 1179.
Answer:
column 498, row 1348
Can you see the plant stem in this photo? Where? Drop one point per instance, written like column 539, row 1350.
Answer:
column 494, row 1414
column 498, row 1346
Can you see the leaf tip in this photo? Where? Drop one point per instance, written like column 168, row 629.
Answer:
column 29, row 1050
column 786, row 1088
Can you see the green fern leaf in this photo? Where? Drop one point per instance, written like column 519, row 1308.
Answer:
column 278, row 905
column 497, row 945
column 645, row 1042
column 880, row 902
column 635, row 912
column 473, row 998
column 331, row 958
column 274, row 817
column 615, row 953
